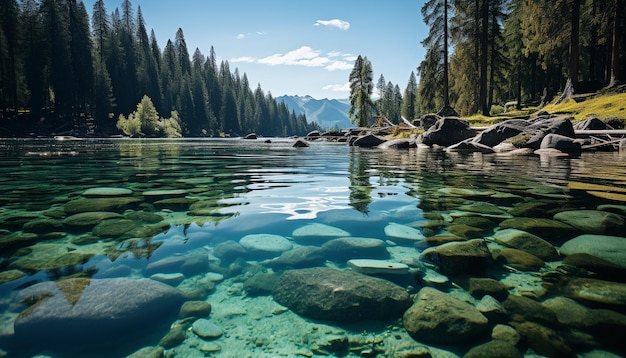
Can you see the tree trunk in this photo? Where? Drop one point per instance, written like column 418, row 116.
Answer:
column 484, row 39
column 574, row 52
column 618, row 22
column 445, row 55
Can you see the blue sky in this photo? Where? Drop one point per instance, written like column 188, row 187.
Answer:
column 295, row 47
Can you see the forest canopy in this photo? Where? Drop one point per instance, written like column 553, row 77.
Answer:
column 62, row 72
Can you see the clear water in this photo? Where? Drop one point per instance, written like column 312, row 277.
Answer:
column 253, row 187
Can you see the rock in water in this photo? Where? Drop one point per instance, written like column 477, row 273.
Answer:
column 336, row 295
column 438, row 318
column 81, row 311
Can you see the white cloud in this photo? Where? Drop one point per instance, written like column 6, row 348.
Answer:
column 247, row 59
column 241, row 36
column 339, row 66
column 340, row 24
column 303, row 56
column 338, row 88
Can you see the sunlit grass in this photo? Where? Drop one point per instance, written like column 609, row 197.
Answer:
column 602, row 106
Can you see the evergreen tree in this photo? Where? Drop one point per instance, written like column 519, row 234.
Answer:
column 34, row 57
column 9, row 11
column 361, row 87
column 409, row 98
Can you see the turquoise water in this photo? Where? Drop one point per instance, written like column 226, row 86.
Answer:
column 176, row 199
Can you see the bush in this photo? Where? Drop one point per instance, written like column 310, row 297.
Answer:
column 496, row 110
column 146, row 120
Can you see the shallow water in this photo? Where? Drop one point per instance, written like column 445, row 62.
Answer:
column 210, row 191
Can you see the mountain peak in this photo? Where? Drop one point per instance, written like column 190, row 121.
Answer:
column 327, row 113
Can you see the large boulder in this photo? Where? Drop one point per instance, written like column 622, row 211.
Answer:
column 81, row 311
column 593, row 221
column 265, row 245
column 533, row 134
column 469, row 146
column 446, row 132
column 596, row 252
column 592, row 123
column 457, row 258
column 500, row 132
column 368, row 141
column 438, row 318
column 337, row 295
column 561, row 143
column 554, row 231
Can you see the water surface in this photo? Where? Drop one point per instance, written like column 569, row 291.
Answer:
column 206, row 192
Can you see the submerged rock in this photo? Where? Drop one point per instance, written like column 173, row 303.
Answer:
column 88, row 310
column 336, row 295
column 346, row 248
column 527, row 242
column 593, row 221
column 543, row 340
column 265, row 245
column 299, row 257
column 457, row 258
column 207, row 329
column 317, row 233
column 438, row 318
column 597, row 251
column 518, row 259
column 373, row 267
column 403, row 232
column 553, row 231
column 495, row 348
column 106, row 192
column 114, row 204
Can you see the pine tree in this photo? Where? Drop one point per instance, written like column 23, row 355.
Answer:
column 361, row 87
column 409, row 98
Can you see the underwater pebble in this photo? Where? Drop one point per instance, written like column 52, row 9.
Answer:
column 206, row 329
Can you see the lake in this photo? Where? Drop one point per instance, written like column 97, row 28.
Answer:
column 103, row 240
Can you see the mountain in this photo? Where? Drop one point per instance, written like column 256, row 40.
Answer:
column 327, row 113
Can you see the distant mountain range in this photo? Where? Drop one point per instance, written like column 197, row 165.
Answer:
column 327, row 113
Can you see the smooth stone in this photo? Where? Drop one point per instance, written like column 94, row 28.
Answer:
column 89, row 219
column 543, row 340
column 492, row 309
column 518, row 259
column 105, row 191
column 464, row 192
column 206, row 329
column 115, row 228
column 596, row 293
column 214, row 276
column 10, row 275
column 495, row 348
column 261, row 283
column 593, row 221
column 265, row 244
column 610, row 249
column 317, row 233
column 345, row 248
column 62, row 310
column 43, row 226
column 229, row 251
column 197, row 309
column 171, row 279
column 613, row 208
column 170, row 264
column 505, row 333
column 299, row 257
column 374, row 267
column 528, row 242
column 174, row 337
column 459, row 258
column 115, row 204
column 438, row 318
column 530, row 310
column 164, row 193
column 553, row 231
column 148, row 352
column 479, row 287
column 403, row 232
column 560, row 142
column 340, row 295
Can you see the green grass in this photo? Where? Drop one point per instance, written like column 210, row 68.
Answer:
column 604, row 107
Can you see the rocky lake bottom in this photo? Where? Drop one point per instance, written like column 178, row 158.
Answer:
column 233, row 248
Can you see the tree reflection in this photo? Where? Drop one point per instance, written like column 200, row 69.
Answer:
column 360, row 187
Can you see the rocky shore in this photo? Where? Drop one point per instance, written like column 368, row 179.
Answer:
column 542, row 134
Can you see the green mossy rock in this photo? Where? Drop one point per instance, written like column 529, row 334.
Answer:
column 594, row 221
column 86, row 221
column 115, row 204
column 553, row 231
column 518, row 259
column 114, row 228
